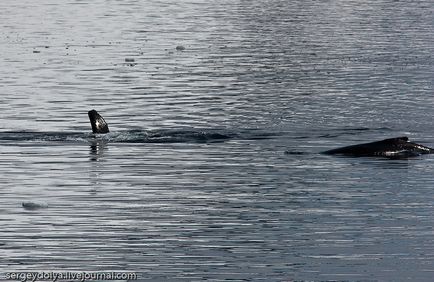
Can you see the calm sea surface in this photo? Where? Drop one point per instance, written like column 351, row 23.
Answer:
column 165, row 194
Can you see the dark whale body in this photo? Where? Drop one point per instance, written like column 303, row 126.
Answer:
column 398, row 147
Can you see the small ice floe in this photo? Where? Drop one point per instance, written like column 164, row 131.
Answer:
column 130, row 62
column 180, row 48
column 34, row 205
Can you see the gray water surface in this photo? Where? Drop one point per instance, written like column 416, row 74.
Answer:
column 163, row 195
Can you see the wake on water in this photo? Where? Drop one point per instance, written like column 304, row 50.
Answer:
column 193, row 135
column 133, row 136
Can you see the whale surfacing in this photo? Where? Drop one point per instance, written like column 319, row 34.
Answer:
column 97, row 122
column 399, row 147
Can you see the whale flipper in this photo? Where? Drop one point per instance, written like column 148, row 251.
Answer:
column 97, row 122
column 398, row 147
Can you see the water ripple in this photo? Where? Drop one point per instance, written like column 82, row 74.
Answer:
column 274, row 76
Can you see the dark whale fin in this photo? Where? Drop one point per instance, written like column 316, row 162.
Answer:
column 97, row 122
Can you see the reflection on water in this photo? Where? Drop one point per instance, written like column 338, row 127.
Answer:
column 193, row 182
column 97, row 148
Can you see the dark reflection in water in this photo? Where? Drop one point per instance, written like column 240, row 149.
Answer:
column 97, row 148
column 377, row 162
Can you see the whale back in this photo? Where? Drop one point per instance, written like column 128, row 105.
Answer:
column 398, row 147
column 97, row 122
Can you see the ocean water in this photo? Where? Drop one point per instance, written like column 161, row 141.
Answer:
column 218, row 112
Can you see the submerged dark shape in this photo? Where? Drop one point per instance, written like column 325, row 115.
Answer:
column 398, row 147
column 99, row 126
column 97, row 122
column 33, row 205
